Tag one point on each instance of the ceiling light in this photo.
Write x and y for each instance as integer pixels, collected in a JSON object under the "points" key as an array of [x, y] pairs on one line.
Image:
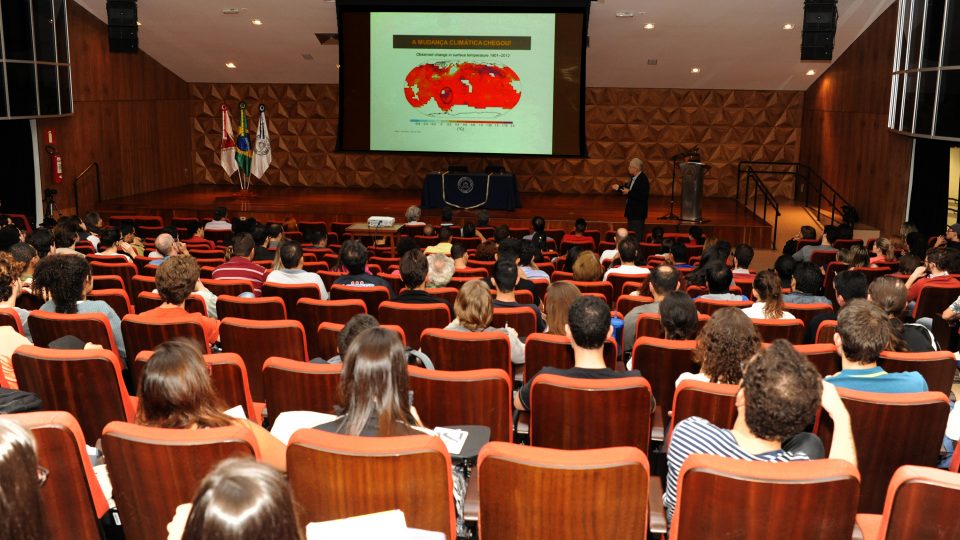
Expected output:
{"points": [[139, 23], [695, 70], [649, 26], [256, 22], [231, 65], [811, 72], [624, 14], [788, 26]]}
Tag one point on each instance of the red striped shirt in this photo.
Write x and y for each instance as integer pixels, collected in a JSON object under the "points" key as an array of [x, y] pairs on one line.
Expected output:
{"points": [[242, 268]]}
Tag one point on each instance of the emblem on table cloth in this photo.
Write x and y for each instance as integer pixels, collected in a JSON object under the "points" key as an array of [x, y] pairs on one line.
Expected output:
{"points": [[465, 184]]}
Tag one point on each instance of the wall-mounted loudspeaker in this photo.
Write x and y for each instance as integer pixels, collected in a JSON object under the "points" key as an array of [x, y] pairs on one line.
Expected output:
{"points": [[819, 29], [122, 26]]}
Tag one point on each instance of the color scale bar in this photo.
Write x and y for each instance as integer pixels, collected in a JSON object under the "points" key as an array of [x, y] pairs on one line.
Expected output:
{"points": [[498, 122]]}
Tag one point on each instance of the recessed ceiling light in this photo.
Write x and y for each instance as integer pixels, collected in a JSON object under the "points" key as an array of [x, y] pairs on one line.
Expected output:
{"points": [[695, 70], [139, 23], [811, 72], [649, 26], [788, 26], [231, 65], [624, 14], [256, 22]]}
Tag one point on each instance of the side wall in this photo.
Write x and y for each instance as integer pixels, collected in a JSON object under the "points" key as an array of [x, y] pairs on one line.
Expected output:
{"points": [[845, 136], [131, 115]]}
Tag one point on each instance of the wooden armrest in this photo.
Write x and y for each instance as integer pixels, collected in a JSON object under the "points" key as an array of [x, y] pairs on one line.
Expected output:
{"points": [[867, 526], [656, 431], [658, 515], [471, 501]]}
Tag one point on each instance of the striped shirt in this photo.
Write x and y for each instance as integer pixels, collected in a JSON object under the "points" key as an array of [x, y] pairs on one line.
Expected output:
{"points": [[695, 435], [242, 268]]}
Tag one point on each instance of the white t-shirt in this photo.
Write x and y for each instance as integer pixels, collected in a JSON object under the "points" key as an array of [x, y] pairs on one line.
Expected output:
{"points": [[687, 376], [298, 277], [627, 271], [953, 424], [741, 270], [219, 226], [756, 312], [608, 255]]}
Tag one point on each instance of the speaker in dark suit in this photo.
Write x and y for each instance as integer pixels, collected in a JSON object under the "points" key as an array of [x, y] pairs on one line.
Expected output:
{"points": [[637, 190]]}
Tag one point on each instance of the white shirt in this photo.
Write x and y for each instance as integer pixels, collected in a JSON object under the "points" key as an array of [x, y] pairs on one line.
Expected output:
{"points": [[298, 277], [631, 270], [756, 312], [608, 255], [687, 376], [953, 424], [95, 240], [219, 226], [741, 270]]}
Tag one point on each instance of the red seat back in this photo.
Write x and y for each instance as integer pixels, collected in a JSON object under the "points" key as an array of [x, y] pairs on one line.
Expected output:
{"points": [[414, 318], [770, 330], [713, 402], [661, 361], [293, 385], [522, 319], [807, 312], [459, 351], [255, 341], [370, 296], [46, 326], [542, 350], [937, 367], [920, 504], [291, 294], [143, 333], [150, 300], [455, 398], [230, 287], [265, 308], [312, 312]]}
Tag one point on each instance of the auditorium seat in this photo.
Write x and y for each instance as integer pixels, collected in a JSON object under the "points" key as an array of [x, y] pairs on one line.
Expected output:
{"points": [[311, 313], [9, 317], [721, 497], [544, 350], [661, 361], [47, 326], [601, 287], [154, 470], [264, 308], [338, 476], [937, 367], [370, 296], [471, 272], [823, 356], [395, 281], [890, 430], [934, 298], [414, 318], [292, 385], [72, 499], [328, 332], [527, 492], [107, 282], [806, 312], [230, 287], [447, 293], [823, 258], [576, 414], [474, 397], [791, 330], [459, 351], [116, 298], [85, 383], [255, 341], [920, 503], [873, 273], [586, 243], [619, 280], [149, 300], [626, 302], [219, 237], [522, 319], [847, 243], [30, 301], [825, 331], [648, 324], [468, 242], [714, 402], [708, 307], [107, 259], [126, 271], [291, 294], [141, 284], [541, 285]]}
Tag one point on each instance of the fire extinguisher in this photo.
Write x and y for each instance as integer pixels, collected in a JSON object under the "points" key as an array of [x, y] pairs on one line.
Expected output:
{"points": [[56, 161]]}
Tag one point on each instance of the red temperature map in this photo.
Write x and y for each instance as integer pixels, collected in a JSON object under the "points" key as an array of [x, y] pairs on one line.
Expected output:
{"points": [[478, 86]]}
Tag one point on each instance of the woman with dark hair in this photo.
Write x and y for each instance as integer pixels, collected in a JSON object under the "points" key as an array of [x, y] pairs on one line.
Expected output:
{"points": [[572, 255], [21, 509], [890, 295], [717, 252], [726, 343], [176, 392], [556, 305], [110, 244], [66, 281], [678, 316], [767, 298], [241, 499]]}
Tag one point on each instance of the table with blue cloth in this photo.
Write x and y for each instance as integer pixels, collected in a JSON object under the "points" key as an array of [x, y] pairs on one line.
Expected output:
{"points": [[470, 190]]}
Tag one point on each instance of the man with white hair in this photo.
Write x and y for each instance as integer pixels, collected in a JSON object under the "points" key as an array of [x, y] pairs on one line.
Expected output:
{"points": [[166, 246], [609, 255], [413, 215], [637, 191], [440, 272]]}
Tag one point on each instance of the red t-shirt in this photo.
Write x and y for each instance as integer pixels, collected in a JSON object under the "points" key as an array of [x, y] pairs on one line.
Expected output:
{"points": [[242, 268], [211, 327]]}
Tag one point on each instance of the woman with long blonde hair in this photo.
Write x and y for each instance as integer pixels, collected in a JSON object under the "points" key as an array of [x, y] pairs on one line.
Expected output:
{"points": [[768, 298]]}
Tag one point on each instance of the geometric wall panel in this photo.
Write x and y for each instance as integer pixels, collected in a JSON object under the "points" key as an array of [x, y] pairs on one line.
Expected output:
{"points": [[653, 124]]}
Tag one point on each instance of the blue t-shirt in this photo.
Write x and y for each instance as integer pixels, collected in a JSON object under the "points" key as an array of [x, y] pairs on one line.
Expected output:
{"points": [[875, 379]]}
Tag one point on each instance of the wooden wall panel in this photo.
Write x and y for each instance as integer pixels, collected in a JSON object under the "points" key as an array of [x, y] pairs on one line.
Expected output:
{"points": [[845, 135], [131, 115], [654, 124]]}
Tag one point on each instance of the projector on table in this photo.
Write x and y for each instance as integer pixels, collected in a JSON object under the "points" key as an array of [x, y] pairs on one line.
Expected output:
{"points": [[375, 222]]}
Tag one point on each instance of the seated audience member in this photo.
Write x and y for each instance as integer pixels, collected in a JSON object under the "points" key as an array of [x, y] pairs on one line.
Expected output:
{"points": [[678, 255], [529, 253], [177, 278], [357, 324], [742, 257], [890, 295], [778, 398], [240, 265], [166, 246], [110, 244], [470, 231], [486, 251], [719, 279], [807, 281], [404, 244], [934, 270], [428, 230], [830, 235], [353, 258], [93, 224], [696, 235], [611, 255], [505, 279], [628, 250], [412, 215], [26, 255], [65, 239], [784, 266], [509, 250], [678, 316], [318, 237], [483, 218], [588, 327], [128, 234], [274, 236], [291, 270], [847, 286], [178, 248], [460, 256], [768, 298], [66, 280], [882, 251], [587, 267], [571, 258], [950, 239], [662, 280], [863, 332], [260, 240], [727, 342], [908, 263], [556, 306], [10, 339], [239, 498], [806, 233], [538, 226], [854, 256], [176, 392], [440, 270], [219, 222], [413, 271], [579, 227], [23, 478], [194, 232], [446, 217], [9, 235], [473, 310], [42, 242], [443, 245], [656, 235], [501, 233], [718, 252]]}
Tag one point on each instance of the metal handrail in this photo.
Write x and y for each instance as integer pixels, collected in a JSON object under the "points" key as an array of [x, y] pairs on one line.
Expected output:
{"points": [[769, 201], [76, 180], [811, 184]]}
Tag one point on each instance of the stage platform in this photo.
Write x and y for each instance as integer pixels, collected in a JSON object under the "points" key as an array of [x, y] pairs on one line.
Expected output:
{"points": [[726, 218]]}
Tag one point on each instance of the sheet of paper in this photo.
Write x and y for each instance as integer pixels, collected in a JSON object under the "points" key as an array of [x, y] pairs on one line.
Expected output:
{"points": [[236, 412], [286, 423], [453, 439]]}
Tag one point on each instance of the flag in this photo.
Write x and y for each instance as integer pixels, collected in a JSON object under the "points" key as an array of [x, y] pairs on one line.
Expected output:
{"points": [[262, 155], [228, 149], [244, 154]]}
